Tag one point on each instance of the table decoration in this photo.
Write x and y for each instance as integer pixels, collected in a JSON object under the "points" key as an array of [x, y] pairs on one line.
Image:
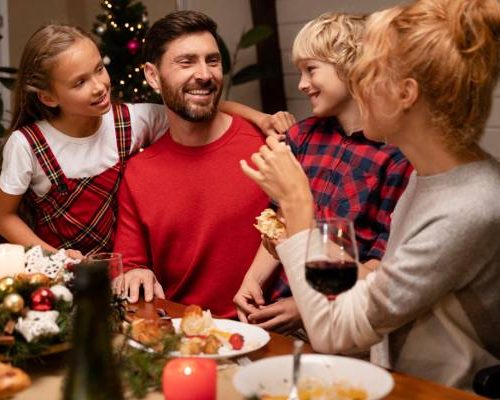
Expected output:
{"points": [[36, 312], [142, 370], [190, 379], [35, 301], [11, 259]]}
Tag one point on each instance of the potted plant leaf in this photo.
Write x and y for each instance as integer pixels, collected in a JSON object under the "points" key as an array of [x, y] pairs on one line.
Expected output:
{"points": [[251, 72]]}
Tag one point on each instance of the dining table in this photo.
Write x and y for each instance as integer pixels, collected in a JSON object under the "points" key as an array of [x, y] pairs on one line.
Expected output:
{"points": [[48, 376]]}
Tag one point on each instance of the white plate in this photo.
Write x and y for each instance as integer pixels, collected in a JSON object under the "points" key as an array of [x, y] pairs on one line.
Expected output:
{"points": [[254, 338], [273, 375]]}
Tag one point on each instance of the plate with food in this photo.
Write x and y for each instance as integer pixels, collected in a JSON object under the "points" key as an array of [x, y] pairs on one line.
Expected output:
{"points": [[321, 377], [199, 335]]}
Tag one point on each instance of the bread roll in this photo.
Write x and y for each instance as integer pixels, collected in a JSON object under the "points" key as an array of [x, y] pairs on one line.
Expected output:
{"points": [[12, 380], [269, 225]]}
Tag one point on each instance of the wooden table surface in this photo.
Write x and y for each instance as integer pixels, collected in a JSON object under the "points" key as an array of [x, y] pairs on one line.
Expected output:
{"points": [[405, 388], [47, 377]]}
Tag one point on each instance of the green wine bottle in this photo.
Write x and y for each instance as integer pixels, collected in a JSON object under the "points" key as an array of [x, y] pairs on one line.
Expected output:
{"points": [[92, 373]]}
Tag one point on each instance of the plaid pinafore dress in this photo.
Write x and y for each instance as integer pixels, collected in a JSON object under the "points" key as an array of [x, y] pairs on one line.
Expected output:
{"points": [[79, 213]]}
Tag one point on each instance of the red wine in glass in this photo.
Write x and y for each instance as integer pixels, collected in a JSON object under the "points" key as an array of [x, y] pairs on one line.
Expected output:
{"points": [[331, 277], [332, 256]]}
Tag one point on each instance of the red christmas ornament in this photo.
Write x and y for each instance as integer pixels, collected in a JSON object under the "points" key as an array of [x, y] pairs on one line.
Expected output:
{"points": [[42, 299], [133, 46]]}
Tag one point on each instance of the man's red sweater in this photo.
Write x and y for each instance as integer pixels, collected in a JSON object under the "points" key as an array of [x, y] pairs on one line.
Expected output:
{"points": [[187, 213]]}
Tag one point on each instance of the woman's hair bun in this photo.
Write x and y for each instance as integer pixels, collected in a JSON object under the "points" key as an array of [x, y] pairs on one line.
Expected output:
{"points": [[474, 24]]}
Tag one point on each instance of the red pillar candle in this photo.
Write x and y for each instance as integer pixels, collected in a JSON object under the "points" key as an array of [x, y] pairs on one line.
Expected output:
{"points": [[190, 379]]}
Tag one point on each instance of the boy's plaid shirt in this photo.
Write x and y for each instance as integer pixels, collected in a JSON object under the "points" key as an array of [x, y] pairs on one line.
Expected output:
{"points": [[351, 177]]}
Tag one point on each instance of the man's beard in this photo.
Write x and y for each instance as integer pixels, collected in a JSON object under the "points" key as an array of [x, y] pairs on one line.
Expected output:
{"points": [[193, 112]]}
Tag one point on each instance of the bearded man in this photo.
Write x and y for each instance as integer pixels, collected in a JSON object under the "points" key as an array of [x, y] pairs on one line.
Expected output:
{"points": [[185, 208]]}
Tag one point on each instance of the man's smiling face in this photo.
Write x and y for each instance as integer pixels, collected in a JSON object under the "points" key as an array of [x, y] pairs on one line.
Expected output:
{"points": [[190, 76]]}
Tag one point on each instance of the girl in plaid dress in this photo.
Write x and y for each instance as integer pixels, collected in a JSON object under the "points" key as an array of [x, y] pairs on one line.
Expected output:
{"points": [[69, 144]]}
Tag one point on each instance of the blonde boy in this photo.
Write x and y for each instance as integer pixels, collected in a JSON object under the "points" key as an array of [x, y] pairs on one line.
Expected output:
{"points": [[349, 175]]}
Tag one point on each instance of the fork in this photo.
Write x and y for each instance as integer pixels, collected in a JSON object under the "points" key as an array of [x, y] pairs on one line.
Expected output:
{"points": [[297, 352], [243, 361]]}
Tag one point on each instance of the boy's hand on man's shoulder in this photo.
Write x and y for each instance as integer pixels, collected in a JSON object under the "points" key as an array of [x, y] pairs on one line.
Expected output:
{"points": [[277, 124]]}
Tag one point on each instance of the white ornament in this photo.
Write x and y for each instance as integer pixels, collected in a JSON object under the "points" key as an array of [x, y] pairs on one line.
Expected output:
{"points": [[51, 265], [106, 60], [38, 324], [63, 293], [68, 276]]}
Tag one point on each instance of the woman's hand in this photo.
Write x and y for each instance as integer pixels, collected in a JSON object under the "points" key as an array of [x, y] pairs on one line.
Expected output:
{"points": [[280, 175], [278, 172]]}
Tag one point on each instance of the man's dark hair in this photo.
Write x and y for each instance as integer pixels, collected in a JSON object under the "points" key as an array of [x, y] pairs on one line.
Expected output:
{"points": [[173, 26]]}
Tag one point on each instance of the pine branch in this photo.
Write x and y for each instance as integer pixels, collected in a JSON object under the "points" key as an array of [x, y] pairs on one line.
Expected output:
{"points": [[142, 370]]}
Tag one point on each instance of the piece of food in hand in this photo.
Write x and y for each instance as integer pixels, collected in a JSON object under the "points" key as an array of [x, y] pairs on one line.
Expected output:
{"points": [[151, 332], [269, 224], [195, 321], [236, 341], [12, 380]]}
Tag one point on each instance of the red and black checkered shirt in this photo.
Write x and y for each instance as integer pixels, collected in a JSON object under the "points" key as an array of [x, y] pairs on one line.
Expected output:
{"points": [[351, 177]]}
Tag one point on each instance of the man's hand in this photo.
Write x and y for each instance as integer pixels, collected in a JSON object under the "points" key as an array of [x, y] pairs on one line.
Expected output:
{"points": [[248, 298], [133, 280], [282, 317], [277, 124]]}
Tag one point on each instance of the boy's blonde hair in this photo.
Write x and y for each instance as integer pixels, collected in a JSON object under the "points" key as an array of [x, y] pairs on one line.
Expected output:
{"points": [[331, 37], [450, 47]]}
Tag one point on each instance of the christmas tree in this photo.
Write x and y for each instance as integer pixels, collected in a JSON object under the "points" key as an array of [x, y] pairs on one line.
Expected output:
{"points": [[121, 30]]}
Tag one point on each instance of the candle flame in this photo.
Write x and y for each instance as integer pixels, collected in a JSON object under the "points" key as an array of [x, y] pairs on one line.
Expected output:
{"points": [[188, 371]]}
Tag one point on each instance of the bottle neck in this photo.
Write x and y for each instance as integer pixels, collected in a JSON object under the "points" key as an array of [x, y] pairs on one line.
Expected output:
{"points": [[92, 316], [92, 371]]}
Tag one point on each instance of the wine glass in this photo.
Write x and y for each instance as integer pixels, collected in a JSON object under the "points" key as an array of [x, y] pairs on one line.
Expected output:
{"points": [[332, 256], [115, 269]]}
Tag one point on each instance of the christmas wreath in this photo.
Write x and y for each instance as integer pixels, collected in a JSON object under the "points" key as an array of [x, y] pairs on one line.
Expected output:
{"points": [[36, 314], [36, 301]]}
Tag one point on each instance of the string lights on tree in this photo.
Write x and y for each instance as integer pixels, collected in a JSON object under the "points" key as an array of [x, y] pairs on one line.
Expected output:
{"points": [[121, 29]]}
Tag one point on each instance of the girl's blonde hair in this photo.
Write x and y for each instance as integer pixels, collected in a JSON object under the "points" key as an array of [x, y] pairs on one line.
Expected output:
{"points": [[331, 37], [34, 74], [450, 47]]}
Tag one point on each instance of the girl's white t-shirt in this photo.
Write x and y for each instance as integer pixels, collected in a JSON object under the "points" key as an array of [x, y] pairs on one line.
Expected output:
{"points": [[78, 157]]}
